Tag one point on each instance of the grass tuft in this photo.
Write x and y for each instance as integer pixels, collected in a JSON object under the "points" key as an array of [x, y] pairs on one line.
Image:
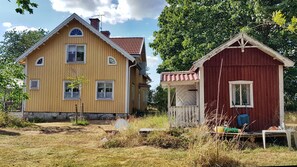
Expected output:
{"points": [[7, 120]]}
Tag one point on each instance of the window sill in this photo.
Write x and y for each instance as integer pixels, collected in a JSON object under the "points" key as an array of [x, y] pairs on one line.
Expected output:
{"points": [[78, 62], [71, 99], [105, 99], [242, 106]]}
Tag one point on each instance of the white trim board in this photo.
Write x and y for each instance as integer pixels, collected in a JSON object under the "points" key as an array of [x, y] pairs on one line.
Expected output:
{"points": [[84, 23], [242, 36], [281, 94]]}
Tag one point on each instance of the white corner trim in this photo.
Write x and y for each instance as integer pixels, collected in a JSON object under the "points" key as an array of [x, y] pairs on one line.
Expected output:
{"points": [[251, 93], [25, 88], [201, 91], [281, 94], [76, 35], [111, 57], [127, 88], [38, 60]]}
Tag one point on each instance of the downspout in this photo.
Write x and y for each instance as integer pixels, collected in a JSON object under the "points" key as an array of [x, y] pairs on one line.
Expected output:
{"points": [[128, 85]]}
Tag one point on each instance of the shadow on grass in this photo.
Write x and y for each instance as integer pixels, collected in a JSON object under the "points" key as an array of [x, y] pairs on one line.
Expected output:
{"points": [[8, 133], [51, 130]]}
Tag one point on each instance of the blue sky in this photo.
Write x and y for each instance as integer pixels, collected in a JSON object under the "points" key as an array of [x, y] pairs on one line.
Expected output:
{"points": [[121, 18]]}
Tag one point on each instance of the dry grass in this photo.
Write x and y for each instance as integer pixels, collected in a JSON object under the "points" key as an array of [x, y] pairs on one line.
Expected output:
{"points": [[61, 144]]}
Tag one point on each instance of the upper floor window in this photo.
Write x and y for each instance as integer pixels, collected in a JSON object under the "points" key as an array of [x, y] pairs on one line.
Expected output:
{"points": [[76, 32], [241, 93], [76, 53], [40, 61], [111, 60], [70, 93], [34, 84]]}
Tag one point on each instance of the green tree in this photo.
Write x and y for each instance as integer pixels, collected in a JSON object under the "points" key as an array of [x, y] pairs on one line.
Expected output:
{"points": [[25, 5], [190, 29], [160, 99], [14, 44]]}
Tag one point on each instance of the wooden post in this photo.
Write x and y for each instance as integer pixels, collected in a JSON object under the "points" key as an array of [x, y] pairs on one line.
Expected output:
{"points": [[76, 113], [169, 97]]}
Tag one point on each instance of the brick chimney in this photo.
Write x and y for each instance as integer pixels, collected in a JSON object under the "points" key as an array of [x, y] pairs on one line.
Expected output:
{"points": [[95, 23], [106, 33]]}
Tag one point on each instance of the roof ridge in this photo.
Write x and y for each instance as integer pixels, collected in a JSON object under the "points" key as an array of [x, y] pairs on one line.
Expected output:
{"points": [[125, 37]]}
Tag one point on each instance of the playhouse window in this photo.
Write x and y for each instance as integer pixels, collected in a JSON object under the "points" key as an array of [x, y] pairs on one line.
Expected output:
{"points": [[75, 32], [241, 93], [76, 53], [70, 93], [104, 90]]}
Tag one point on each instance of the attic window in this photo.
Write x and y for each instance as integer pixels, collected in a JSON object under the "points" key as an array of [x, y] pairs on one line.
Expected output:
{"points": [[76, 32], [111, 60], [40, 61]]}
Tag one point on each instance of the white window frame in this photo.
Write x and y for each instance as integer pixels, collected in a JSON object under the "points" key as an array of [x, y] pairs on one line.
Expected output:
{"points": [[241, 82], [71, 98], [76, 62], [82, 33], [37, 88], [111, 57], [36, 64], [104, 81]]}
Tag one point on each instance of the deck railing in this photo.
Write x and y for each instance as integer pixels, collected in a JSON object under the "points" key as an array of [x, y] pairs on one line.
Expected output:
{"points": [[183, 116]]}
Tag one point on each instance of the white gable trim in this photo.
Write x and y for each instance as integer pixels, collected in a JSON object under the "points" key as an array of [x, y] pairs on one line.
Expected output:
{"points": [[287, 62], [83, 22]]}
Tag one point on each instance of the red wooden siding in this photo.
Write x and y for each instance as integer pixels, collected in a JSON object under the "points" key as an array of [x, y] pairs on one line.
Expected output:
{"points": [[251, 65]]}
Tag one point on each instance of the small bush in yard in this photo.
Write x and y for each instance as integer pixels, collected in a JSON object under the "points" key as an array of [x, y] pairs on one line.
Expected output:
{"points": [[166, 140], [128, 138], [7, 120], [80, 122]]}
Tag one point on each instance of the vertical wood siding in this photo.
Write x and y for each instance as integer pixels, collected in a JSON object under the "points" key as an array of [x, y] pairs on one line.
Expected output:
{"points": [[49, 98], [251, 65]]}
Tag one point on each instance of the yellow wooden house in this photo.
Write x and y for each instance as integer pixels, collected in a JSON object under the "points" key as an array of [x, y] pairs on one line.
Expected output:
{"points": [[115, 70]]}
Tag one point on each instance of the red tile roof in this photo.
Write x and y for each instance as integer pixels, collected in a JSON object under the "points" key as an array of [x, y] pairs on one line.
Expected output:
{"points": [[132, 45], [179, 76]]}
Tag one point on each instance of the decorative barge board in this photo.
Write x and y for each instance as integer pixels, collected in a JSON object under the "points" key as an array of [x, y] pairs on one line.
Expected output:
{"points": [[251, 82]]}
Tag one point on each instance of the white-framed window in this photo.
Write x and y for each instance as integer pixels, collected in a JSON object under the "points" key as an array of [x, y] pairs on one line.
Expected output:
{"points": [[111, 60], [75, 53], [241, 94], [70, 93], [76, 32], [34, 84], [104, 90], [39, 61]]}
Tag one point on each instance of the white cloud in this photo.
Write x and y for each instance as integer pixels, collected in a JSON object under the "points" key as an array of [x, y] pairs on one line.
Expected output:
{"points": [[153, 62], [114, 11], [21, 28], [6, 24]]}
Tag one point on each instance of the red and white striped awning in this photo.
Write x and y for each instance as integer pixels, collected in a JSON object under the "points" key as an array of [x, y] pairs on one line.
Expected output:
{"points": [[179, 77]]}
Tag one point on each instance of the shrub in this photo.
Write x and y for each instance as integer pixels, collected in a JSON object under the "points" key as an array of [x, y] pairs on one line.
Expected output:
{"points": [[80, 121], [7, 120], [166, 140]]}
